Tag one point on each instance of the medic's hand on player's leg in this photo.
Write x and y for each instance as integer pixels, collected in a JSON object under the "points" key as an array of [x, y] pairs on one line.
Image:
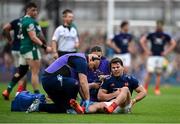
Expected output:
{"points": [[86, 104]]}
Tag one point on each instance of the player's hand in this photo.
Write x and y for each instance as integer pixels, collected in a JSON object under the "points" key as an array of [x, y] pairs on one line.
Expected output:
{"points": [[102, 77], [118, 50], [95, 85], [48, 49], [147, 52], [164, 53], [55, 55], [86, 104], [133, 101]]}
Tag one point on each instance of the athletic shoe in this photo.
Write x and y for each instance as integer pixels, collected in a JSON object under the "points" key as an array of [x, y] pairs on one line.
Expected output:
{"points": [[75, 105], [5, 94], [71, 111], [34, 106], [157, 92], [110, 108]]}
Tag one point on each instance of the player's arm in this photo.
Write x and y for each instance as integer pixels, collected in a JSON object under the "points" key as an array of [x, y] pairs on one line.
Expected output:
{"points": [[6, 32], [84, 87], [141, 93], [42, 37], [36, 40], [104, 96], [170, 47], [131, 47], [111, 44], [77, 42], [143, 42], [54, 43]]}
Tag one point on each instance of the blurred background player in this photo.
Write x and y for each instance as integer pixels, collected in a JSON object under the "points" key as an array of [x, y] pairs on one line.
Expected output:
{"points": [[96, 75], [15, 46], [29, 53], [30, 30], [122, 45], [65, 38], [158, 41], [63, 79]]}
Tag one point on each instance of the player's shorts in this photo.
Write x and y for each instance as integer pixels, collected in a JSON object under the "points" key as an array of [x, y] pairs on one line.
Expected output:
{"points": [[155, 64], [124, 110], [16, 57], [33, 55], [126, 58]]}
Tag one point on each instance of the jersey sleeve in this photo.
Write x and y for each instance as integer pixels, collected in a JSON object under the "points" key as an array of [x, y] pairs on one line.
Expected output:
{"points": [[130, 37], [105, 85], [13, 24], [30, 26], [114, 38], [168, 38], [56, 34], [148, 36], [134, 82]]}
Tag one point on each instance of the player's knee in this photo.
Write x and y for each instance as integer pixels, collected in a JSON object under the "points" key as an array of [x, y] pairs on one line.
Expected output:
{"points": [[125, 89]]}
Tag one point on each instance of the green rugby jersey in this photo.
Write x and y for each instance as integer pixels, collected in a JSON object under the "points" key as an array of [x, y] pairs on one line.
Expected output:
{"points": [[28, 24]]}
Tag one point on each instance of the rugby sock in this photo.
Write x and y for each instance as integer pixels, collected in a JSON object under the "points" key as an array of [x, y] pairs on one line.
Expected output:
{"points": [[111, 108], [114, 105], [146, 86], [20, 88], [36, 91], [10, 86]]}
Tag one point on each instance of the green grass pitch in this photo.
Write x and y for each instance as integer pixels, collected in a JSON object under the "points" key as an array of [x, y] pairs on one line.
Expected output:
{"points": [[153, 109]]}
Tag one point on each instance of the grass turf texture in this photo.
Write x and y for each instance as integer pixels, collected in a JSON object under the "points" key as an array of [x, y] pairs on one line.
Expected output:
{"points": [[153, 109]]}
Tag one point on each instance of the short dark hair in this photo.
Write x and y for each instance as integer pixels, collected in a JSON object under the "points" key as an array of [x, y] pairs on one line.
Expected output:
{"points": [[124, 23], [67, 11], [96, 49], [30, 5], [116, 60], [161, 22]]}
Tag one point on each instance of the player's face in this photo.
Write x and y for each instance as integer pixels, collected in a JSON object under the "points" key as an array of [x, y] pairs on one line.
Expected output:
{"points": [[159, 27], [117, 69], [33, 12], [126, 28], [68, 18]]}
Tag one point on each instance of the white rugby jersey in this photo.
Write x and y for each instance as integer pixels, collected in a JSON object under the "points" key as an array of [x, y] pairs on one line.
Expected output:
{"points": [[66, 38]]}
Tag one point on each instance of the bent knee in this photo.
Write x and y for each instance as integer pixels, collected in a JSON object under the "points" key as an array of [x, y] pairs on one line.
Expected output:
{"points": [[126, 89]]}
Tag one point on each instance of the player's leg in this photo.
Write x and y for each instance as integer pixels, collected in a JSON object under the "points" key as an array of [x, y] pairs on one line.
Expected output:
{"points": [[35, 67], [21, 85], [151, 62], [33, 60], [157, 85], [121, 100], [96, 107], [21, 71], [147, 80], [159, 70], [22, 82]]}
